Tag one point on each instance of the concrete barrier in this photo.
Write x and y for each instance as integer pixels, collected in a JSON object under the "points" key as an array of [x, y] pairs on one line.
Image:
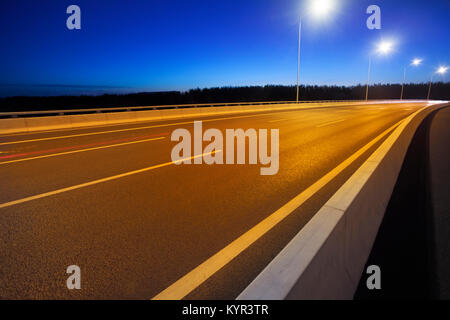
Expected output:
{"points": [[121, 117], [149, 115], [14, 125], [178, 113], [86, 120], [47, 123], [96, 119], [326, 258]]}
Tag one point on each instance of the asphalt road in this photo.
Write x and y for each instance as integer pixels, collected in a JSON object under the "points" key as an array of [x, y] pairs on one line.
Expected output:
{"points": [[135, 235]]}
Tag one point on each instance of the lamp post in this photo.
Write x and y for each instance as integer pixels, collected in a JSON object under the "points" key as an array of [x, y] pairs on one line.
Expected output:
{"points": [[415, 63], [441, 70], [383, 48], [298, 61], [368, 78], [318, 9]]}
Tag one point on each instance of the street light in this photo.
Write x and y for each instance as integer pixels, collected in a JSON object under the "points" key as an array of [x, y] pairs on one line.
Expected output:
{"points": [[317, 9], [441, 70], [383, 48], [416, 62], [320, 8]]}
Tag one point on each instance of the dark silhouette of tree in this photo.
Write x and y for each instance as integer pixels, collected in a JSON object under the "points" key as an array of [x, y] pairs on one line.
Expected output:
{"points": [[440, 91]]}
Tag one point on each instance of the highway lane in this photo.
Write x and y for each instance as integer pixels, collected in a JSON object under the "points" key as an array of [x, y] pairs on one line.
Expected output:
{"points": [[136, 235]]}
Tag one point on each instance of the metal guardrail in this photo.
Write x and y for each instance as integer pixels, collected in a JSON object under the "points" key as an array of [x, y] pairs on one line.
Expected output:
{"points": [[180, 106]]}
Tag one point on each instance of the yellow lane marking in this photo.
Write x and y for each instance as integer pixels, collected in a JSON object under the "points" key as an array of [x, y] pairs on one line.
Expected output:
{"points": [[112, 125], [87, 184], [127, 129], [81, 150], [330, 123], [158, 126], [193, 279]]}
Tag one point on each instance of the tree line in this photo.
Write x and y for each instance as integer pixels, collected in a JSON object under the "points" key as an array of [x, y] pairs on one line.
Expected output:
{"points": [[439, 91]]}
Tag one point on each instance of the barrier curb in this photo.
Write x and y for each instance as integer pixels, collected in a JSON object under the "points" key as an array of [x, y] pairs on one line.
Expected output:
{"points": [[326, 258]]}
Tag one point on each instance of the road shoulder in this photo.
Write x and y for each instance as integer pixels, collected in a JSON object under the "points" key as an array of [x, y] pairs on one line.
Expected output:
{"points": [[413, 241]]}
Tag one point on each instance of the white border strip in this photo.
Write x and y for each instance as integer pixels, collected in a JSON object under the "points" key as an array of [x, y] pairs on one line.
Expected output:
{"points": [[326, 258]]}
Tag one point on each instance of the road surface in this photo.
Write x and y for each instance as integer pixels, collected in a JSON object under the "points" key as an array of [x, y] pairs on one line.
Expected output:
{"points": [[79, 197]]}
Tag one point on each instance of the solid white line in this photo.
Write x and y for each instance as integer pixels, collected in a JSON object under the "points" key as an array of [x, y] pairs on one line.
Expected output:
{"points": [[90, 183]]}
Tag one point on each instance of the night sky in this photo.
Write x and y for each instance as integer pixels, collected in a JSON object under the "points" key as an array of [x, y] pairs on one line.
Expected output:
{"points": [[146, 45]]}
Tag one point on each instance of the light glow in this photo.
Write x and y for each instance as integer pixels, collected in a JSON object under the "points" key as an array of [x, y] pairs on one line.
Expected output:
{"points": [[320, 8], [442, 70], [385, 47], [416, 62]]}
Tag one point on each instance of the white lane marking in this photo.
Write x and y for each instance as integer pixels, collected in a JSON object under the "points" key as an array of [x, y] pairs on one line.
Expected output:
{"points": [[81, 150], [279, 120], [192, 280], [329, 123], [90, 183]]}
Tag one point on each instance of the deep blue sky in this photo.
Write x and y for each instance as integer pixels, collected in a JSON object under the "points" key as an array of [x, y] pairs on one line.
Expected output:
{"points": [[147, 45]]}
